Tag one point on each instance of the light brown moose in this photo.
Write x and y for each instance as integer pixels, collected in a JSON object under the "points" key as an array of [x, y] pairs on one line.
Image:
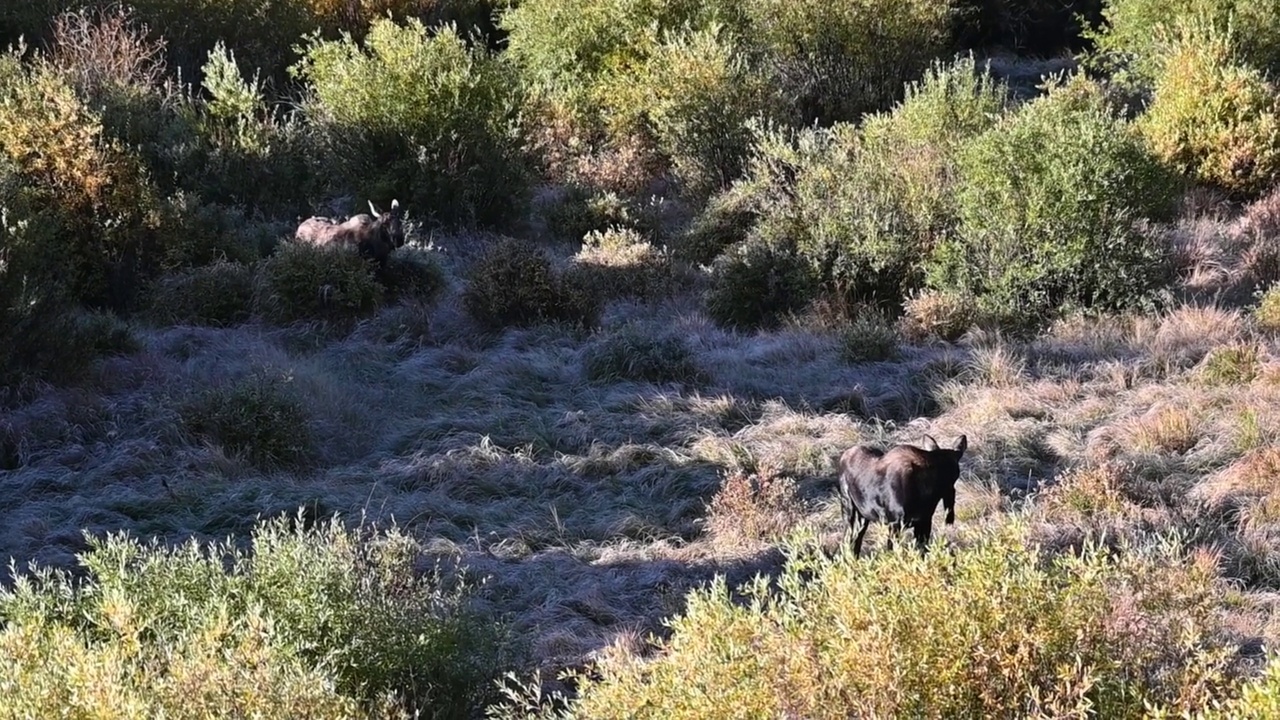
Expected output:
{"points": [[373, 236]]}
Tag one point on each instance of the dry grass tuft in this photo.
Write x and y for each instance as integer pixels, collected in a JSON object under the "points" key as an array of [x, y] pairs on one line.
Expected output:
{"points": [[1165, 428], [750, 509], [945, 315], [1250, 478]]}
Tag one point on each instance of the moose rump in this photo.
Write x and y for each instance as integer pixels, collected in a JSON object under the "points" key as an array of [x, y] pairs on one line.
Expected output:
{"points": [[900, 487], [373, 236]]}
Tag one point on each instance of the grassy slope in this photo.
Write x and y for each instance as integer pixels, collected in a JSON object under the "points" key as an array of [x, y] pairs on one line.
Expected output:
{"points": [[586, 505]]}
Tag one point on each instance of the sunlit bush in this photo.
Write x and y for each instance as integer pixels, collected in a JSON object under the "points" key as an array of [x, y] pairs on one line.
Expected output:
{"points": [[326, 623], [941, 314], [697, 91], [81, 182], [620, 263], [753, 508], [1132, 40], [422, 117], [1212, 117], [864, 206], [996, 629], [1048, 204], [831, 63]]}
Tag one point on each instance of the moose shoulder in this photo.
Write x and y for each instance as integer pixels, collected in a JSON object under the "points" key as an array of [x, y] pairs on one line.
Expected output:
{"points": [[901, 487], [373, 236]]}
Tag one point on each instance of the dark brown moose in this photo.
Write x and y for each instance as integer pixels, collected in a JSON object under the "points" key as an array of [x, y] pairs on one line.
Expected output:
{"points": [[901, 487], [373, 236]]}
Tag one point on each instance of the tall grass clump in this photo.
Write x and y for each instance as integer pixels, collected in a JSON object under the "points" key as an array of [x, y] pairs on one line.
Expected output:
{"points": [[1049, 202], [1213, 117], [258, 418], [641, 354], [514, 285], [998, 629], [219, 294], [328, 623], [424, 117], [307, 282]]}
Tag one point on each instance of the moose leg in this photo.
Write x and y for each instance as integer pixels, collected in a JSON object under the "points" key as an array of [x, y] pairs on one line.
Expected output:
{"points": [[857, 542], [923, 531], [895, 529]]}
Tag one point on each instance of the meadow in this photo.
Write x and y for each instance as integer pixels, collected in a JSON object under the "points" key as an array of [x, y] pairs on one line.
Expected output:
{"points": [[572, 453]]}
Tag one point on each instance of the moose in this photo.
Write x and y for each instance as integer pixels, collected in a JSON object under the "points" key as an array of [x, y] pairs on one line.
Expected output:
{"points": [[901, 487], [373, 236]]}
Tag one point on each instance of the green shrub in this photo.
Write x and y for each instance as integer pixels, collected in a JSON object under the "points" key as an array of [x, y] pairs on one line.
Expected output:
{"points": [[422, 117], [1255, 699], [868, 338], [201, 233], [514, 284], [220, 294], [832, 64], [320, 623], [997, 629], [620, 263], [305, 282], [1048, 202], [756, 284], [698, 94], [863, 206], [105, 333], [1213, 118], [641, 354], [258, 418], [95, 195], [1267, 314], [234, 149], [725, 221], [1135, 33], [581, 211], [414, 274], [569, 50]]}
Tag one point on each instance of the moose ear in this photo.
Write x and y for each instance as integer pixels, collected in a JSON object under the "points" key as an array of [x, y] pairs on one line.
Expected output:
{"points": [[929, 444], [961, 445]]}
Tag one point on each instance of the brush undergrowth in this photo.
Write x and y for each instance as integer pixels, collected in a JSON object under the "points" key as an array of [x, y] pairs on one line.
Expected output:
{"points": [[330, 623], [997, 629]]}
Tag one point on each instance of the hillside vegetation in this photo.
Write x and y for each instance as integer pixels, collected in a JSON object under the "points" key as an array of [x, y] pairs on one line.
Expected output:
{"points": [[571, 452]]}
